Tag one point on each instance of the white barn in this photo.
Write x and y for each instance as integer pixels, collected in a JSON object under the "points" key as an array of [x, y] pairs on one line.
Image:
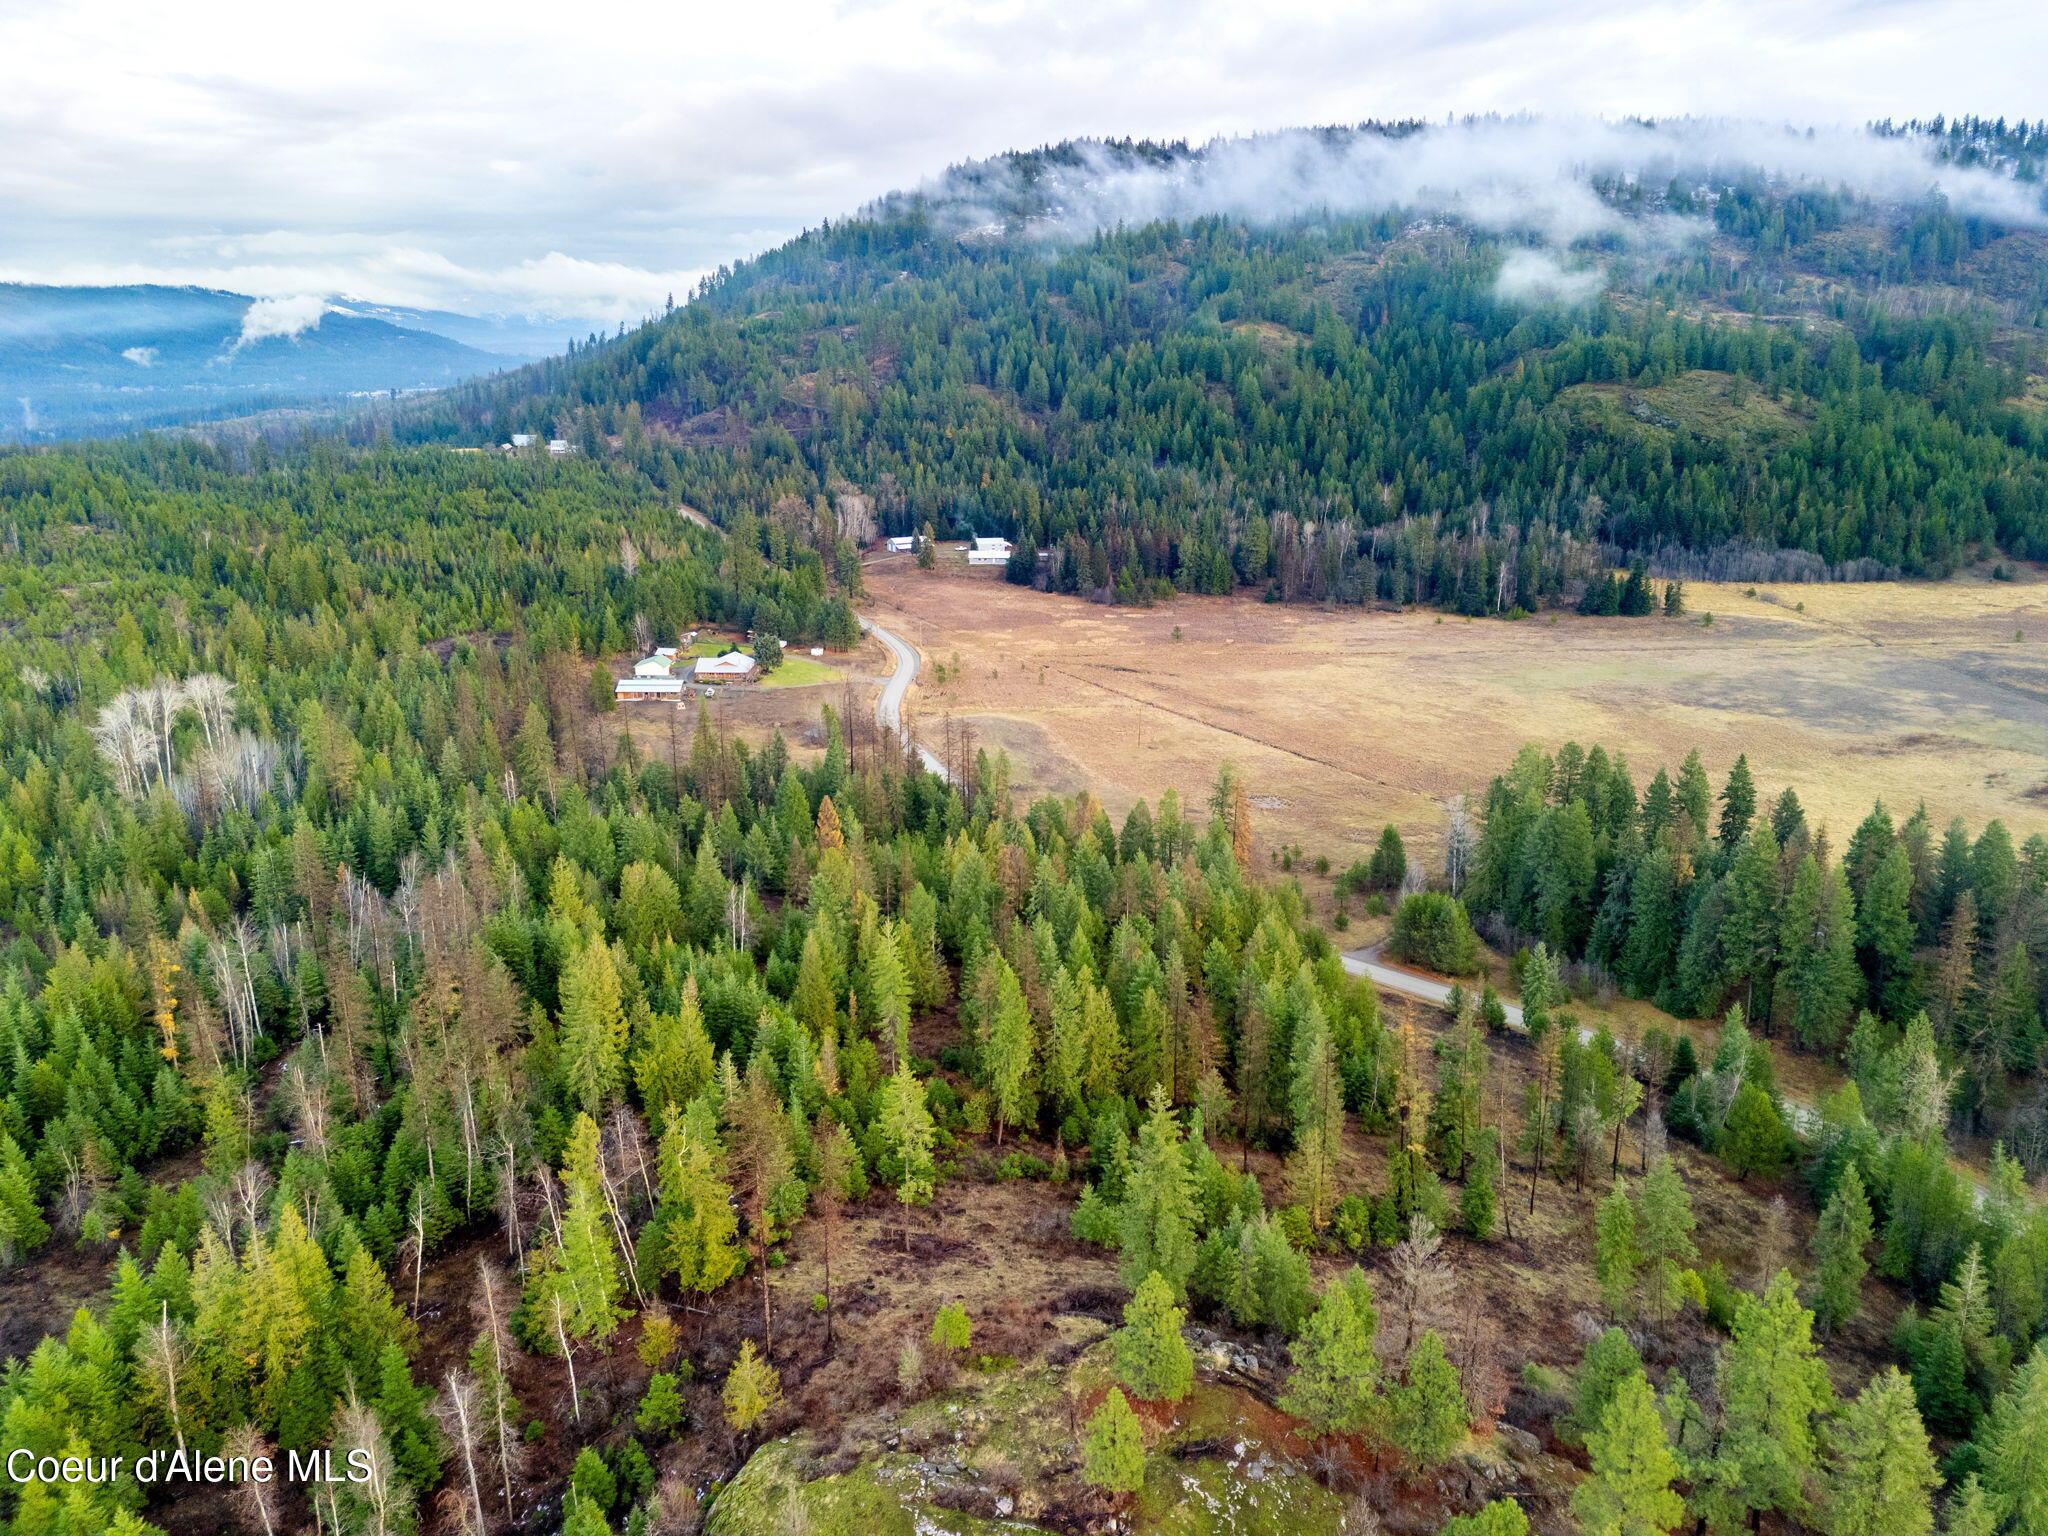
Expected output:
{"points": [[988, 552], [903, 543], [732, 667], [631, 690]]}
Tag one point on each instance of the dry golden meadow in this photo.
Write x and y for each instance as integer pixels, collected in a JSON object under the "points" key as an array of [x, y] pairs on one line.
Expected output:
{"points": [[1344, 720]]}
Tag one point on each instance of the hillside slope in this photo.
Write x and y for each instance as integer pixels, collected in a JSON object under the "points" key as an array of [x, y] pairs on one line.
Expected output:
{"points": [[1364, 386]]}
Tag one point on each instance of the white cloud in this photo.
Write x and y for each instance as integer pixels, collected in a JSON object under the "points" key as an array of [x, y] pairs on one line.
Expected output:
{"points": [[141, 357], [1537, 277], [286, 315], [510, 155]]}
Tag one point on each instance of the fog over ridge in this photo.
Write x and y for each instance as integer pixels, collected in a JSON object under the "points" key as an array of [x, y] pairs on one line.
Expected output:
{"points": [[1529, 175]]}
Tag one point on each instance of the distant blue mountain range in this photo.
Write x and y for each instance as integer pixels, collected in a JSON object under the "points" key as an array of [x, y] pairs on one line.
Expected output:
{"points": [[80, 361]]}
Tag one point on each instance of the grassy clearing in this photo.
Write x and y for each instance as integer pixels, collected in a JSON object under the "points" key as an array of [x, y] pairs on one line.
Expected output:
{"points": [[801, 672], [1698, 403], [1343, 721]]}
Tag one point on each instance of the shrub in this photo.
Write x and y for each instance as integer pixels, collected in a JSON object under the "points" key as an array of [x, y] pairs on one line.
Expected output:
{"points": [[952, 1329], [1432, 929]]}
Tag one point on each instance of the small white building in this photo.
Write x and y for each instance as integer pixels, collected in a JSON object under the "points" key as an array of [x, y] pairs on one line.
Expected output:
{"points": [[632, 690], [732, 667], [903, 543], [988, 552], [657, 665], [558, 445], [522, 439]]}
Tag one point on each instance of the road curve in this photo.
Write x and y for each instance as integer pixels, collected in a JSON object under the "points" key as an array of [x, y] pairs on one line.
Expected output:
{"points": [[1366, 962], [889, 706], [1802, 1117]]}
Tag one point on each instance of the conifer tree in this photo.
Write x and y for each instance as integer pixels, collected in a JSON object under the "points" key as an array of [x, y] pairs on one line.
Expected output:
{"points": [[1628, 1492], [1774, 1394], [761, 1162], [1664, 1227], [1104, 1052], [22, 1227], [1738, 803], [1501, 1517], [661, 1405], [1157, 1218], [838, 1167], [951, 1327], [674, 1061], [889, 988], [400, 1405], [1754, 1139], [1318, 1125], [2014, 1446], [1539, 1132], [753, 1389], [2012, 1037], [815, 1001], [1820, 981], [1428, 1409], [1616, 1258], [578, 1281], [905, 1122], [1886, 933], [1839, 1244], [583, 1516], [694, 1232], [1609, 1361], [1152, 1358], [1479, 1201], [1955, 968], [593, 1028], [1009, 1053], [1749, 936], [1334, 1386], [1970, 1511], [1113, 1447], [1881, 1472], [1454, 1110]]}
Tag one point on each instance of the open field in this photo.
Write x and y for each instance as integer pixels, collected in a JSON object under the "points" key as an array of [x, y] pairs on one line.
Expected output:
{"points": [[1345, 720]]}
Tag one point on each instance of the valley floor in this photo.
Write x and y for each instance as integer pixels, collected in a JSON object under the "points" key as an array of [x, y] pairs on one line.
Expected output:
{"points": [[1345, 720]]}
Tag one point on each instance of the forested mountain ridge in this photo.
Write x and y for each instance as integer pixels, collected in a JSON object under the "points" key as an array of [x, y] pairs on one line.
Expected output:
{"points": [[1423, 401]]}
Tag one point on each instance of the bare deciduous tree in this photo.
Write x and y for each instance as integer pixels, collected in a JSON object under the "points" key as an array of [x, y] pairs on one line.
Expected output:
{"points": [[1423, 1289], [256, 1496], [459, 1409]]}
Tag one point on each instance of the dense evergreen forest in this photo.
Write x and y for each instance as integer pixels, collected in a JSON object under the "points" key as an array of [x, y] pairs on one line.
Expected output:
{"points": [[1358, 409], [350, 941], [1703, 900]]}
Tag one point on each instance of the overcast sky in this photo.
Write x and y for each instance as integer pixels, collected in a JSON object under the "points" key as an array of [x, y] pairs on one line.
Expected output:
{"points": [[586, 159]]}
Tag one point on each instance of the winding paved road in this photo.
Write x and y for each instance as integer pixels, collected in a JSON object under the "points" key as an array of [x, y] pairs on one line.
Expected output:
{"points": [[889, 706], [1366, 962]]}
